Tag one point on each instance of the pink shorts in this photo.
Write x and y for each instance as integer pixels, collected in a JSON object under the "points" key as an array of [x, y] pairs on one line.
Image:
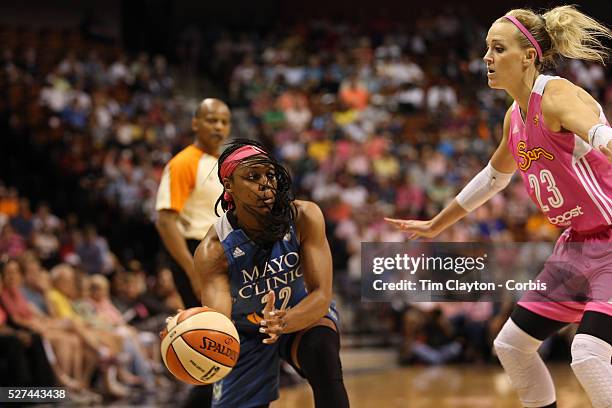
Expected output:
{"points": [[578, 275]]}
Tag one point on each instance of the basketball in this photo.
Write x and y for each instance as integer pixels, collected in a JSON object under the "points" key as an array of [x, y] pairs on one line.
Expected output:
{"points": [[200, 346]]}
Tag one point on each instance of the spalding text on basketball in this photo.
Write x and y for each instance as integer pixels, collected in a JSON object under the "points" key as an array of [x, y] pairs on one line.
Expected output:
{"points": [[211, 345]]}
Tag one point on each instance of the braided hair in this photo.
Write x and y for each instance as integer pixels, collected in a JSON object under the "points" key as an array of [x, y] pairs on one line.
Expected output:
{"points": [[274, 224]]}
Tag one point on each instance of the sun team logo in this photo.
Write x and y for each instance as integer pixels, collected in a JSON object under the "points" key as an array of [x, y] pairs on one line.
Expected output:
{"points": [[528, 156]]}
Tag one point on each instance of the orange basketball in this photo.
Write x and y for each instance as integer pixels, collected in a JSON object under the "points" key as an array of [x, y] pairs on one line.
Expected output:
{"points": [[200, 346]]}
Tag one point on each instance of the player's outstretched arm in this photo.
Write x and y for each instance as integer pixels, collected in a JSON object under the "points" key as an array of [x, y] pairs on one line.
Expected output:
{"points": [[492, 179], [211, 272], [569, 107], [452, 213], [316, 264]]}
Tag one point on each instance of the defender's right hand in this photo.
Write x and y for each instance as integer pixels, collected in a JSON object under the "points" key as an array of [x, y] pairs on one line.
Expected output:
{"points": [[414, 228]]}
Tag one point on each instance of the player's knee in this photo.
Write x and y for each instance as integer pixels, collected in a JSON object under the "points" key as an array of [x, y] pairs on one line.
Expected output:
{"points": [[518, 353], [591, 365], [586, 347], [512, 339], [319, 353], [322, 340], [516, 350]]}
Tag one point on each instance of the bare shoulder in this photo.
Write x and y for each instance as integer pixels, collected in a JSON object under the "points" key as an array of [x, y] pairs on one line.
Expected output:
{"points": [[307, 211], [210, 254], [561, 93], [558, 86], [309, 218]]}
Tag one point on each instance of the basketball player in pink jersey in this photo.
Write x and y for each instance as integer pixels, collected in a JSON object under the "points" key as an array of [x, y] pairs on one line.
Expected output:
{"points": [[555, 133]]}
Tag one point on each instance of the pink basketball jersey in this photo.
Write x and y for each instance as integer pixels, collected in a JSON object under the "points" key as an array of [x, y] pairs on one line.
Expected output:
{"points": [[568, 179]]}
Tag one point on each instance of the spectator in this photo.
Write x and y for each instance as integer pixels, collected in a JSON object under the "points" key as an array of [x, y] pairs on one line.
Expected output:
{"points": [[11, 243], [298, 117], [36, 282], [354, 93], [140, 308], [106, 344], [93, 252], [22, 221], [134, 369], [166, 292], [9, 201], [74, 366], [441, 95], [23, 356], [436, 343]]}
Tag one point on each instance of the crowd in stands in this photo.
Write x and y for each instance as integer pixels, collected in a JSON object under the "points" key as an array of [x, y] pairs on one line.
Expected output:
{"points": [[372, 122], [70, 314]]}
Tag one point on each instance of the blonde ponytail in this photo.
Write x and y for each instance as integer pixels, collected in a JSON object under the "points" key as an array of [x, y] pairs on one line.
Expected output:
{"points": [[576, 35], [563, 31]]}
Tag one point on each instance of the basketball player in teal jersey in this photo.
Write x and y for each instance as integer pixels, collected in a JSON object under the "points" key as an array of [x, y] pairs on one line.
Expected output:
{"points": [[267, 265]]}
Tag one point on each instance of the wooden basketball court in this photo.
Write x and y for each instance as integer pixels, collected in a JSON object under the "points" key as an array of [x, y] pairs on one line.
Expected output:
{"points": [[440, 387]]}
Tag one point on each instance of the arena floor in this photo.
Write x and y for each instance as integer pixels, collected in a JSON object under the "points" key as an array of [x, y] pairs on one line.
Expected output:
{"points": [[441, 387], [456, 386]]}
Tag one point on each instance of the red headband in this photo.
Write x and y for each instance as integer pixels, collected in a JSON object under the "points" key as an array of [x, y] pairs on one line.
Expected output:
{"points": [[527, 34], [232, 161]]}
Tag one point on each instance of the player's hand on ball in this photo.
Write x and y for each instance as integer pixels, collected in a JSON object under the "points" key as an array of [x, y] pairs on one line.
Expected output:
{"points": [[273, 323], [414, 228], [164, 332], [170, 317]]}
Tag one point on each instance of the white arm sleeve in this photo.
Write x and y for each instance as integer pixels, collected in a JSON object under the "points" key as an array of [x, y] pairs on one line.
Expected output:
{"points": [[600, 135], [482, 187]]}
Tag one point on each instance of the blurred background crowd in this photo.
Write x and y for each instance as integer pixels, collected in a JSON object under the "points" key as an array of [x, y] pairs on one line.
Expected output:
{"points": [[385, 119]]}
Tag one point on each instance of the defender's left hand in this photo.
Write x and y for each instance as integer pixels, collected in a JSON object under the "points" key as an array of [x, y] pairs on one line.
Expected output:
{"points": [[273, 323]]}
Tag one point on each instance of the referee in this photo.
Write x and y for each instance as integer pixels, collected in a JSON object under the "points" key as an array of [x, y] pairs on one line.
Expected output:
{"points": [[186, 198], [187, 194]]}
